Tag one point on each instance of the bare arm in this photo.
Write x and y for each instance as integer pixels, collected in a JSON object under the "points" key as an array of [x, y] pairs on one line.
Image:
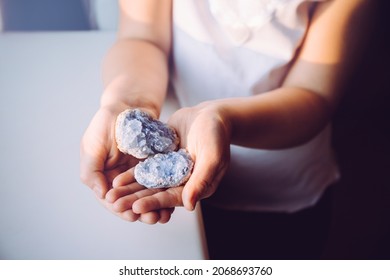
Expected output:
{"points": [[297, 111], [135, 74], [285, 117], [288, 116], [135, 71]]}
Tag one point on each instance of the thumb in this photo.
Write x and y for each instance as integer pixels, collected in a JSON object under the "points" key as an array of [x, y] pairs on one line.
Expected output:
{"points": [[202, 183], [99, 184], [91, 174]]}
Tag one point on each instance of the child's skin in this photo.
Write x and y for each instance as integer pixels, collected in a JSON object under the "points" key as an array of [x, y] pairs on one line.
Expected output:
{"points": [[136, 76]]}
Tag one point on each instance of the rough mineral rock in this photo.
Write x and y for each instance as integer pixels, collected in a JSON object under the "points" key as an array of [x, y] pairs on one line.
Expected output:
{"points": [[164, 170], [139, 135]]}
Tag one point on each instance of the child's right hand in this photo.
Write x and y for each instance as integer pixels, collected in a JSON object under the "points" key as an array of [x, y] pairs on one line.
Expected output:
{"points": [[100, 160]]}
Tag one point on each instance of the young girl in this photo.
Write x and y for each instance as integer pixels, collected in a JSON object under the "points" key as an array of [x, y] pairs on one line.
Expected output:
{"points": [[258, 82]]}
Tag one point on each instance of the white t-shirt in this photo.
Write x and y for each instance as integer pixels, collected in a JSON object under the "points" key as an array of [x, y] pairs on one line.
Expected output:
{"points": [[234, 48]]}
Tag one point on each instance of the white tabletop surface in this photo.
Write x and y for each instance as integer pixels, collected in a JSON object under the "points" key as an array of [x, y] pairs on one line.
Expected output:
{"points": [[49, 89]]}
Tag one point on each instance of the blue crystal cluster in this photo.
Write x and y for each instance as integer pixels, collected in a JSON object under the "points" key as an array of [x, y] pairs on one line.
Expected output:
{"points": [[141, 136], [164, 170]]}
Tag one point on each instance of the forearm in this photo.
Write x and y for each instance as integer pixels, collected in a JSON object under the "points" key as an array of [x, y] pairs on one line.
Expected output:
{"points": [[282, 118], [303, 106], [135, 74]]}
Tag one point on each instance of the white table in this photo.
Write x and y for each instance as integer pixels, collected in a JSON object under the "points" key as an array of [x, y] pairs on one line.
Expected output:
{"points": [[49, 90]]}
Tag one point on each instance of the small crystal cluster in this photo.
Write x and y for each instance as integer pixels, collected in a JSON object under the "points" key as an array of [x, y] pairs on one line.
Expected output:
{"points": [[141, 136], [164, 170]]}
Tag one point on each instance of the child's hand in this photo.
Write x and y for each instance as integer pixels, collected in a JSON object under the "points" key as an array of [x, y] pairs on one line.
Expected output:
{"points": [[101, 162], [120, 200], [205, 132], [206, 135]]}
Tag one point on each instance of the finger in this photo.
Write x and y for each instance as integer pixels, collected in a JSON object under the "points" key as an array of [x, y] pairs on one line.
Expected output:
{"points": [[150, 217], [118, 192], [128, 215], [124, 178], [165, 215], [126, 202], [164, 199], [112, 174], [91, 173]]}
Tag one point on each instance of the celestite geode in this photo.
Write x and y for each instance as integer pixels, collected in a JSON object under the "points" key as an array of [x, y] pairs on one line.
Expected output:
{"points": [[164, 170], [141, 136]]}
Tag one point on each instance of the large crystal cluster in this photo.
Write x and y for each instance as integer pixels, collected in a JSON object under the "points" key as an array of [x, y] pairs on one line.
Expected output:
{"points": [[164, 170], [141, 136]]}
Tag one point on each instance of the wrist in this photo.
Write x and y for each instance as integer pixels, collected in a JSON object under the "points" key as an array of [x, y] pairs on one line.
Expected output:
{"points": [[226, 119], [230, 111], [120, 101], [220, 109]]}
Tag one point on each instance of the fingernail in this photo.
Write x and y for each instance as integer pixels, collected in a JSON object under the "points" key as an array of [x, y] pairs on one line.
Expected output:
{"points": [[189, 203], [190, 206]]}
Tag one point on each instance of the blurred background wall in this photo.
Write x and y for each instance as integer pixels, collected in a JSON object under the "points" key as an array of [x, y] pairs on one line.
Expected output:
{"points": [[49, 15], [29, 15]]}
